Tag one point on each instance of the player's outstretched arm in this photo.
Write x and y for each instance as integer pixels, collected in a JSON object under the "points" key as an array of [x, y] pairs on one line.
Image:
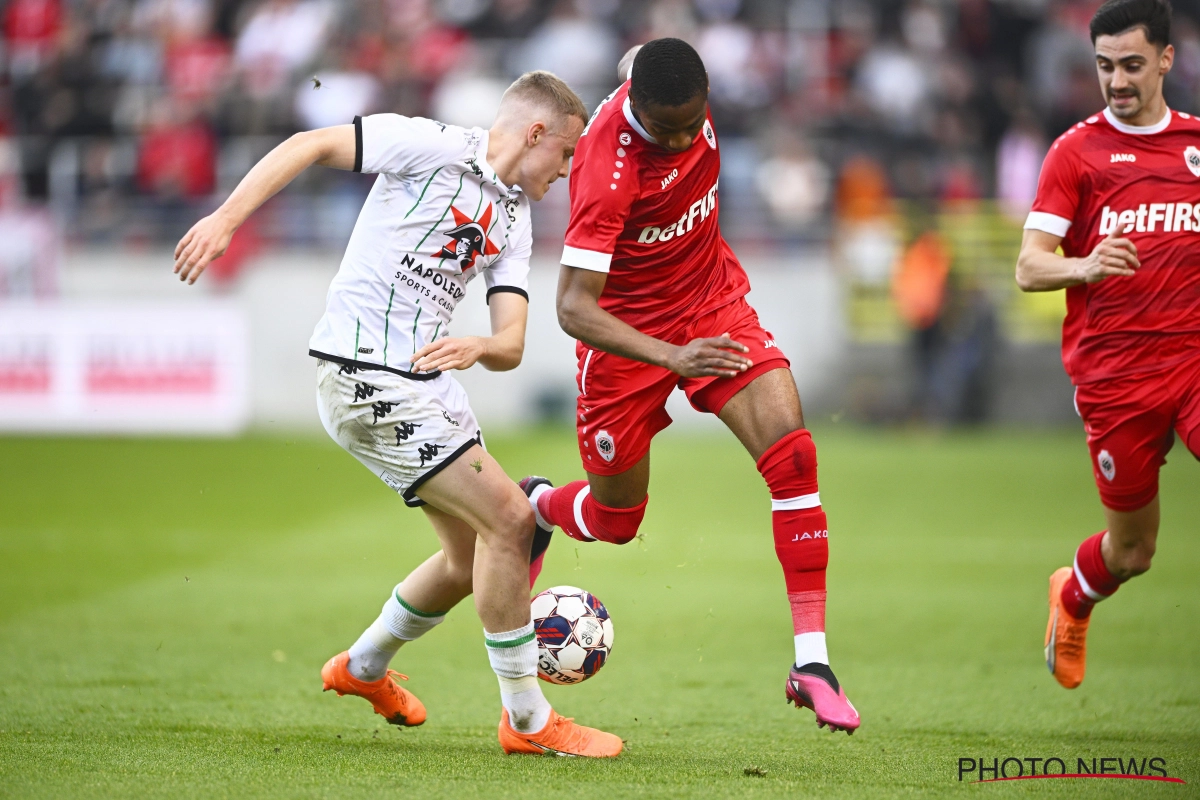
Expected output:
{"points": [[499, 352], [580, 315], [1041, 269], [210, 237]]}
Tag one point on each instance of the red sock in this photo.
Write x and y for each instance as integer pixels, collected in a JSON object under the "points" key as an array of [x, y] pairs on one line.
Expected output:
{"points": [[799, 525], [1090, 582], [535, 569], [582, 517]]}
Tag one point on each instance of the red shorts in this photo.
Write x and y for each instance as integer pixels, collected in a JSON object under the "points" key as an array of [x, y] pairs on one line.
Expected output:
{"points": [[1131, 425], [622, 402]]}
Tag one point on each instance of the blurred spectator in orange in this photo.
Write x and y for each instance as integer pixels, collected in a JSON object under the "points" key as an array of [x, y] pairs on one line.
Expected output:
{"points": [[866, 238], [919, 281]]}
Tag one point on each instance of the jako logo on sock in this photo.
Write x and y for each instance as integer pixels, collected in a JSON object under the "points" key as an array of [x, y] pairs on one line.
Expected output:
{"points": [[813, 535]]}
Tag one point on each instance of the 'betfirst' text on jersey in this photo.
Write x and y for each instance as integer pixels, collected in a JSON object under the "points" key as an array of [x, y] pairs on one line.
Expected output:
{"points": [[436, 217], [1103, 175], [648, 218]]}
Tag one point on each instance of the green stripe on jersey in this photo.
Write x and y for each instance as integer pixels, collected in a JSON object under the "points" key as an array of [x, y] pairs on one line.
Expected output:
{"points": [[438, 224], [520, 640], [387, 316], [423, 189]]}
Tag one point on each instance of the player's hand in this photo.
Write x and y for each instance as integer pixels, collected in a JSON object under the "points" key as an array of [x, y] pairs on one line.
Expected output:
{"points": [[1115, 255], [719, 356], [208, 239], [449, 353]]}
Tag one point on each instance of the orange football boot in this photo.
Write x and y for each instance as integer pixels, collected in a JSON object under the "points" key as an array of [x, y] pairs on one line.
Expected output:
{"points": [[1066, 637], [561, 736], [392, 702]]}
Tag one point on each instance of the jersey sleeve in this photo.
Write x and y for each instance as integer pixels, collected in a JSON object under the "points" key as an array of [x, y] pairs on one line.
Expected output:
{"points": [[601, 197], [401, 145], [1057, 199], [510, 272]]}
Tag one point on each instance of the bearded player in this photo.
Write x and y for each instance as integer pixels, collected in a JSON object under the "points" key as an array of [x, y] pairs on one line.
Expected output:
{"points": [[1120, 194], [449, 205], [656, 300]]}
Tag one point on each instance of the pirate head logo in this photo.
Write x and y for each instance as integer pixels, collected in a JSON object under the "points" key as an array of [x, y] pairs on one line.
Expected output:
{"points": [[468, 239]]}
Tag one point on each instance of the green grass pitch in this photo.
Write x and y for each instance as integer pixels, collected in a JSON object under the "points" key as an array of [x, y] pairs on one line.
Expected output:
{"points": [[165, 607]]}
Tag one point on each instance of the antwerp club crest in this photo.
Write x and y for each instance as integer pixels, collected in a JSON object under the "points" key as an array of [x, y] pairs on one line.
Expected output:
{"points": [[468, 239], [605, 445], [1192, 157]]}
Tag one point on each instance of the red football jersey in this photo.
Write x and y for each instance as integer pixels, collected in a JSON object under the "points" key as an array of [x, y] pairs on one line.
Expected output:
{"points": [[648, 217], [1102, 174]]}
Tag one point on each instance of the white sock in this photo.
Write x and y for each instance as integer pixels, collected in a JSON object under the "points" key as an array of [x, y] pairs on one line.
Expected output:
{"points": [[533, 498], [810, 647], [397, 623], [513, 655]]}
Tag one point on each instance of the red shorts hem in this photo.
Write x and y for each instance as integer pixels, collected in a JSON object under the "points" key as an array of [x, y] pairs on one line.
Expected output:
{"points": [[1130, 501], [713, 397]]}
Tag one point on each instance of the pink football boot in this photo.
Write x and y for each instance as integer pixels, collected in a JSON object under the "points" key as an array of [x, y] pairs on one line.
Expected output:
{"points": [[814, 686]]}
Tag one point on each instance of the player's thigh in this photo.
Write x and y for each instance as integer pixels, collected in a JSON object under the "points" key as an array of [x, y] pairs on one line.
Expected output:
{"points": [[764, 411], [1128, 424], [621, 406], [456, 537], [474, 489]]}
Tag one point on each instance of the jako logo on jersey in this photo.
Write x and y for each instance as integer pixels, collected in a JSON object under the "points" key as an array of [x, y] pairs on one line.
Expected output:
{"points": [[625, 138], [701, 208], [667, 180], [469, 239], [1175, 217], [769, 343], [1107, 466], [605, 446], [1191, 157], [1119, 157]]}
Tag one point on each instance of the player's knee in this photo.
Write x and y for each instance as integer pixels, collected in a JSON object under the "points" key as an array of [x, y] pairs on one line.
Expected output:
{"points": [[513, 520], [790, 465], [615, 525]]}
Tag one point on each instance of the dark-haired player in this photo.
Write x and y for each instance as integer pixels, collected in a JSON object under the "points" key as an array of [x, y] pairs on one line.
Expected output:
{"points": [[1120, 193], [657, 301]]}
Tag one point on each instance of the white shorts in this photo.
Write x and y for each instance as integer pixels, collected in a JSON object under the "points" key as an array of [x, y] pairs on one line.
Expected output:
{"points": [[403, 430]]}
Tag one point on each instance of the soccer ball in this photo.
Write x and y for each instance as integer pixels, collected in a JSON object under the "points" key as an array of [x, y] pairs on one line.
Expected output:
{"points": [[574, 634]]}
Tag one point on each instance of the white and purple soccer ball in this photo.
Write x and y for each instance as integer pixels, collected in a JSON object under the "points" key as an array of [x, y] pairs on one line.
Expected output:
{"points": [[574, 634]]}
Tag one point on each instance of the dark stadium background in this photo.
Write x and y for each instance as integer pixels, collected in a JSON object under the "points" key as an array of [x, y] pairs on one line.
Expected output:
{"points": [[850, 132]]}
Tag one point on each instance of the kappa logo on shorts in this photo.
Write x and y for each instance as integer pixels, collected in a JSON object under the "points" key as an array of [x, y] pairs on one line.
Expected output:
{"points": [[405, 430], [606, 446], [1107, 466]]}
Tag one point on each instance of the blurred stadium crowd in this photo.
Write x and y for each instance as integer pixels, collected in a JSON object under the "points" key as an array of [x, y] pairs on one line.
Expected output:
{"points": [[119, 112]]}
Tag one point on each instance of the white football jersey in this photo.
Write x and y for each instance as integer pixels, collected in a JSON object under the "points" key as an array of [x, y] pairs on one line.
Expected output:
{"points": [[436, 217]]}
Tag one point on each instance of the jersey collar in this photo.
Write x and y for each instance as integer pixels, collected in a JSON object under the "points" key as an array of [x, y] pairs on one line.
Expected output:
{"points": [[1138, 130], [632, 120]]}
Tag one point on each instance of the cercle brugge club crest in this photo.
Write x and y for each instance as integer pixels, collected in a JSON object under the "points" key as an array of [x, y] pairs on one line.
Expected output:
{"points": [[468, 239], [1192, 157]]}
